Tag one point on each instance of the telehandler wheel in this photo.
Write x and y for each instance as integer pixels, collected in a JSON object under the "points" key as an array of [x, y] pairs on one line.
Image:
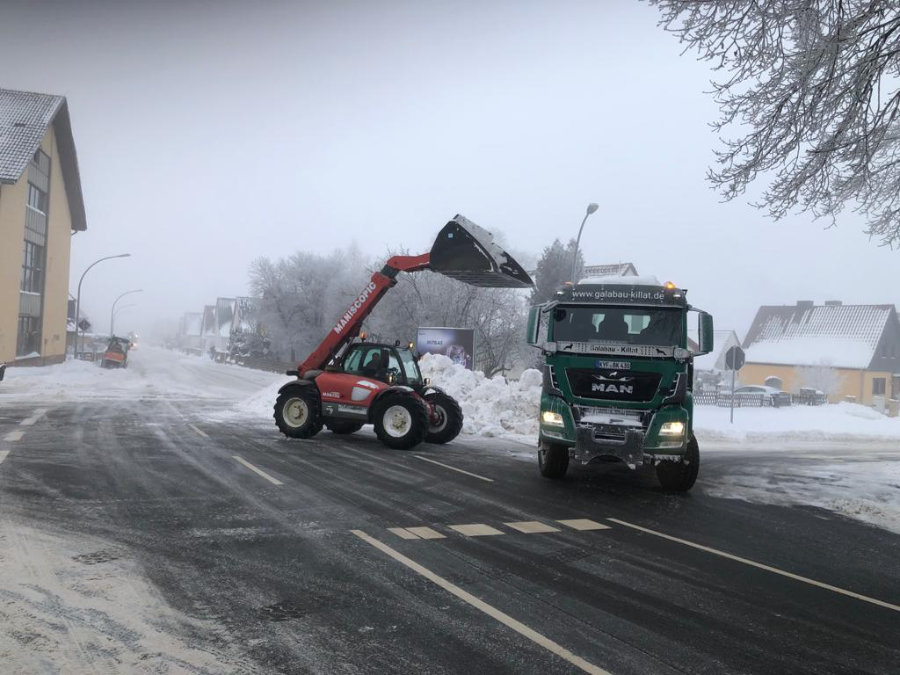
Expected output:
{"points": [[680, 476], [401, 420], [297, 412], [553, 460], [343, 426], [447, 421]]}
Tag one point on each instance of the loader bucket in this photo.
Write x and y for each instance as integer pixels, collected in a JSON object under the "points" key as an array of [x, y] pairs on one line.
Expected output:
{"points": [[466, 252]]}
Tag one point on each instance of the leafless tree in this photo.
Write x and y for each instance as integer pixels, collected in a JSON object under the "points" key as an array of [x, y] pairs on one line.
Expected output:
{"points": [[811, 88]]}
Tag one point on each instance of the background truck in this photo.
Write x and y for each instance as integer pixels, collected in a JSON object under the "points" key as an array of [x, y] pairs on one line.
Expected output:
{"points": [[346, 382], [618, 377]]}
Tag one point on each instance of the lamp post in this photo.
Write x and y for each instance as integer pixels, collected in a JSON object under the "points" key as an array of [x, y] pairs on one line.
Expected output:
{"points": [[590, 209], [112, 312], [78, 296]]}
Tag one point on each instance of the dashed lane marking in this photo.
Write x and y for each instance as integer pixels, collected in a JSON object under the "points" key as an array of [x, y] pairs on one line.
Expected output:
{"points": [[453, 468], [257, 470], [199, 431], [425, 533], [475, 530], [403, 533], [752, 563], [482, 606], [583, 524], [3, 454], [14, 436], [36, 415], [532, 527]]}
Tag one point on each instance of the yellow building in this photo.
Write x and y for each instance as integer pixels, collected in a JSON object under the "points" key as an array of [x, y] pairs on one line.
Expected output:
{"points": [[847, 351], [41, 205]]}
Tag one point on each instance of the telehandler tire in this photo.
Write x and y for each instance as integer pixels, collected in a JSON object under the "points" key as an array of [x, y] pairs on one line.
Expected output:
{"points": [[553, 460], [680, 476], [297, 412], [449, 422], [400, 420]]}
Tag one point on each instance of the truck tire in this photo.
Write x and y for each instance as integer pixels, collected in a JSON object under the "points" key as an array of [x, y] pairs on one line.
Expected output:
{"points": [[680, 476], [343, 426], [553, 460], [297, 412], [449, 420], [401, 420]]}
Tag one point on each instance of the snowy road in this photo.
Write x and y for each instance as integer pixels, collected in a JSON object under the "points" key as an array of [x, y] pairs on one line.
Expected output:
{"points": [[148, 527]]}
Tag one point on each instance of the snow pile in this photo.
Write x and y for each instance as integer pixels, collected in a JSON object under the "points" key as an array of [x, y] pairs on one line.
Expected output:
{"points": [[491, 406]]}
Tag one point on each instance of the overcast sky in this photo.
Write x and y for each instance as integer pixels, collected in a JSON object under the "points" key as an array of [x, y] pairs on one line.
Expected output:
{"points": [[212, 133]]}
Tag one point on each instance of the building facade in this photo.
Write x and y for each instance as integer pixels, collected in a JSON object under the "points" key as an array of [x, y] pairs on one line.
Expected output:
{"points": [[846, 351], [41, 205]]}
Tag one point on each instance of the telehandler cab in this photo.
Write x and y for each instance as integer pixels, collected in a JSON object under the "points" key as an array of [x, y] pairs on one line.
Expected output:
{"points": [[347, 382]]}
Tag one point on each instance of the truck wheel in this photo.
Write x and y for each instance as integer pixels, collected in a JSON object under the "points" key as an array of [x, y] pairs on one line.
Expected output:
{"points": [[680, 476], [447, 421], [553, 460], [297, 412], [343, 426], [401, 421]]}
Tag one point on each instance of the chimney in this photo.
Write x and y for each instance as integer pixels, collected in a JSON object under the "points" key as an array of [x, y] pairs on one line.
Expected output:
{"points": [[833, 303], [805, 304]]}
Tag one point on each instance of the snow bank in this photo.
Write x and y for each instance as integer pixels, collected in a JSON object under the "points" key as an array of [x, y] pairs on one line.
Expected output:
{"points": [[491, 406]]}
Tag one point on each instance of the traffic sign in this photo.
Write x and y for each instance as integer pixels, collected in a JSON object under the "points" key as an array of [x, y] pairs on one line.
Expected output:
{"points": [[734, 358]]}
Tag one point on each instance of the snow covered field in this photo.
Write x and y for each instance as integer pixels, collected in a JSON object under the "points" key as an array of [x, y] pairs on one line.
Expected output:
{"points": [[865, 485]]}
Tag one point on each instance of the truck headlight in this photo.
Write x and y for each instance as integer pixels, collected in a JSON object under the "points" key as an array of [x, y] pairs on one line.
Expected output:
{"points": [[552, 418], [672, 429]]}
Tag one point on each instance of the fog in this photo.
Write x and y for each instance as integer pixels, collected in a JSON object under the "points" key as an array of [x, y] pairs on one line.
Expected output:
{"points": [[212, 133]]}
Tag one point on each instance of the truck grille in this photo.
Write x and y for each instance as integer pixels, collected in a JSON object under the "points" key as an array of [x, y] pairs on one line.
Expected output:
{"points": [[613, 385]]}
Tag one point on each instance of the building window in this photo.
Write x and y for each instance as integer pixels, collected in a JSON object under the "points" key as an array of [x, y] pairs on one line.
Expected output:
{"points": [[29, 337], [878, 386], [33, 268]]}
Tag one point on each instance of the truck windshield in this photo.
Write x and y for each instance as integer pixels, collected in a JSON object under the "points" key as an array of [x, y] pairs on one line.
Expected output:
{"points": [[629, 325]]}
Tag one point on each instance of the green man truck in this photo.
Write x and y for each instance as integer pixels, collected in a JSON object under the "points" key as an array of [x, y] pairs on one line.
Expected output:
{"points": [[618, 377]]}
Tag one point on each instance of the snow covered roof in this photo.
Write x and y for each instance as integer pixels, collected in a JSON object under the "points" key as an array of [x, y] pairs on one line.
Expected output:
{"points": [[619, 280], [611, 270], [25, 118], [807, 335]]}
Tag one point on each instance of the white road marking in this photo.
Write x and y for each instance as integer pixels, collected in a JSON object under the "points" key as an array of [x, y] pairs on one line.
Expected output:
{"points": [[13, 436], [262, 473], [482, 606], [199, 431], [475, 530], [403, 533], [453, 468], [532, 527], [3, 454], [425, 533], [761, 566], [36, 415], [583, 524]]}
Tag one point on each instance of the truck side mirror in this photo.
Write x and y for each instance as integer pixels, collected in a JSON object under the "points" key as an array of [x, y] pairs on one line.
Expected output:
{"points": [[534, 325], [705, 332]]}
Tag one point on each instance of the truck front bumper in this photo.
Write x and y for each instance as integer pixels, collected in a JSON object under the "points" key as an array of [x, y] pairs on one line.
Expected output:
{"points": [[587, 448]]}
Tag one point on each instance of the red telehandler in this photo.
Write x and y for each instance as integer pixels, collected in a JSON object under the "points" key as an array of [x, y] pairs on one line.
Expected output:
{"points": [[346, 382]]}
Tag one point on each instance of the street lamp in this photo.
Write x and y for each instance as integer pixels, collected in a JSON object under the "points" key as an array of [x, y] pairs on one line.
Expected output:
{"points": [[590, 209], [112, 312], [78, 295]]}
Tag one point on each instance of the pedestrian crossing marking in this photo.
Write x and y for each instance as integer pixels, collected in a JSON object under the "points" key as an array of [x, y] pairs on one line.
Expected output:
{"points": [[475, 530], [532, 527], [583, 524], [403, 533], [425, 533]]}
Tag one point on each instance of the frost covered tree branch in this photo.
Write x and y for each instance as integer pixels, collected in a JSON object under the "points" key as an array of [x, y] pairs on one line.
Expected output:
{"points": [[810, 91]]}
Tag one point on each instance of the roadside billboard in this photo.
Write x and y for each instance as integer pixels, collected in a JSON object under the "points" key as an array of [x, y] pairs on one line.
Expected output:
{"points": [[456, 343]]}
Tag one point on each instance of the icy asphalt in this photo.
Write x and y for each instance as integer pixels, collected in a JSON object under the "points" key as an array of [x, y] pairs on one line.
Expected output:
{"points": [[147, 527]]}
